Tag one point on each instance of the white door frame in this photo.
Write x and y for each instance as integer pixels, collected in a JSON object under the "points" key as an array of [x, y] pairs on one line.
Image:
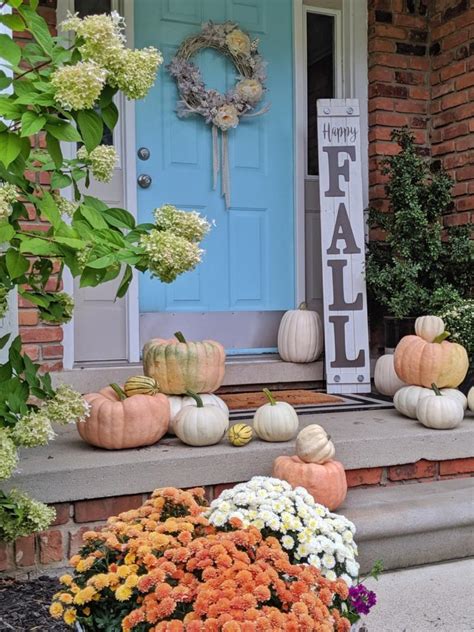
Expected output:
{"points": [[351, 81]]}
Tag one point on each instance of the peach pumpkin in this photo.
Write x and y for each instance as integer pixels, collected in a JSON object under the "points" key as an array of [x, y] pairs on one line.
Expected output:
{"points": [[326, 482], [423, 363], [180, 366], [117, 424]]}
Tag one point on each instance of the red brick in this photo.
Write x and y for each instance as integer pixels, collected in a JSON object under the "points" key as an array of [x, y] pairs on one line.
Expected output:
{"points": [[42, 334], [25, 551], [28, 317], [75, 540], [50, 367], [6, 561], [102, 508], [32, 351], [465, 173], [457, 466], [52, 351], [420, 469], [453, 70], [365, 476], [51, 546], [62, 514], [465, 81], [382, 30]]}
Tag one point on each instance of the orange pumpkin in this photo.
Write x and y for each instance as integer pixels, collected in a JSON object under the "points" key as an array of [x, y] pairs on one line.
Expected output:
{"points": [[326, 482], [117, 424], [423, 363], [179, 366]]}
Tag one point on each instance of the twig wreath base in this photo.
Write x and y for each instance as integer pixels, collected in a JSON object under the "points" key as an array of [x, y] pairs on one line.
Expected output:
{"points": [[222, 111]]}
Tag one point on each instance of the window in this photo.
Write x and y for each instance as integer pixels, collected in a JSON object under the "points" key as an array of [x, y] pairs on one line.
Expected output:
{"points": [[320, 47]]}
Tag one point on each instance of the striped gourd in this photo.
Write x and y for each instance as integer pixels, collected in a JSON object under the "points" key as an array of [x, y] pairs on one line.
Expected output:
{"points": [[240, 434], [141, 385]]}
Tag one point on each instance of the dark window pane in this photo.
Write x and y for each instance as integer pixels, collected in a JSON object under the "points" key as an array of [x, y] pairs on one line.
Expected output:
{"points": [[92, 7], [320, 56]]}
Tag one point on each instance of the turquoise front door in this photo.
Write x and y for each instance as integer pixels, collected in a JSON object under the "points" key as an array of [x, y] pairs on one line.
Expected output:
{"points": [[247, 277]]}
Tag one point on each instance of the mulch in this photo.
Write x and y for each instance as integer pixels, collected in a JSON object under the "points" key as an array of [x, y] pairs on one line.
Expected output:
{"points": [[24, 605], [302, 397]]}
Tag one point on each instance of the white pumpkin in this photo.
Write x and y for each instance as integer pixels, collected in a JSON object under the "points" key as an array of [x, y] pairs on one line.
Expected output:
{"points": [[406, 399], [275, 421], [429, 327], [439, 412], [177, 402], [470, 399], [386, 380], [455, 394], [201, 424], [314, 445], [300, 335]]}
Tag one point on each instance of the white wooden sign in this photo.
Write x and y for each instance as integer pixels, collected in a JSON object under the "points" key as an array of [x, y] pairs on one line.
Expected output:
{"points": [[342, 247]]}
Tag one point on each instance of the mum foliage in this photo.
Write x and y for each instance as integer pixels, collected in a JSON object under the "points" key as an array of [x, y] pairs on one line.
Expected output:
{"points": [[163, 567], [419, 267], [64, 91]]}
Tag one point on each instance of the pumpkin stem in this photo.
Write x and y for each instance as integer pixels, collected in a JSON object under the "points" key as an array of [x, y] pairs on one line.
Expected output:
{"points": [[119, 391], [442, 337], [303, 305], [197, 398], [269, 396], [180, 336], [436, 389]]}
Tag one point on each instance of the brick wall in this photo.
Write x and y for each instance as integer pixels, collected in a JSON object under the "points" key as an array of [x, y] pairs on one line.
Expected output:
{"points": [[52, 548]]}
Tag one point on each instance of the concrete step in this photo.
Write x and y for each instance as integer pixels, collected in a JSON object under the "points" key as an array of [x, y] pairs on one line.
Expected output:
{"points": [[413, 524]]}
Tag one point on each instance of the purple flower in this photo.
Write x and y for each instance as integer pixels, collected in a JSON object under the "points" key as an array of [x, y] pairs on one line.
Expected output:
{"points": [[361, 599]]}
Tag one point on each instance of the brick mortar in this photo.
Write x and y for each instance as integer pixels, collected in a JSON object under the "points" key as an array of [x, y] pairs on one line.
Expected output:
{"points": [[408, 474]]}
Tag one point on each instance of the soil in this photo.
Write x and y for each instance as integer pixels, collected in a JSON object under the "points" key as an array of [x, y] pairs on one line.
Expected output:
{"points": [[24, 605]]}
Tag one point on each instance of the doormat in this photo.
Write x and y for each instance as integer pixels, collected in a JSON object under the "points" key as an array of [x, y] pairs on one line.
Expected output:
{"points": [[242, 401]]}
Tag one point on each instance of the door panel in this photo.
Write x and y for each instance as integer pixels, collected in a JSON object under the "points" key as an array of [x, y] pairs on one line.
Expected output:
{"points": [[249, 260]]}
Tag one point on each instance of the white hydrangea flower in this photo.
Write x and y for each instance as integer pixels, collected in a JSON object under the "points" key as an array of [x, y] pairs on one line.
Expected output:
{"points": [[136, 72], [65, 207], [169, 255], [33, 429], [67, 406], [79, 86], [102, 160], [8, 195], [8, 455]]}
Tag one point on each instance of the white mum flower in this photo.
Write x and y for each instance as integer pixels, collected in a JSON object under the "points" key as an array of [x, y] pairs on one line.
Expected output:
{"points": [[352, 567], [329, 561], [218, 518], [287, 542], [331, 575]]}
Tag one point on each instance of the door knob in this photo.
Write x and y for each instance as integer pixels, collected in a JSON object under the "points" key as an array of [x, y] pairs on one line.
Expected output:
{"points": [[144, 180], [143, 153]]}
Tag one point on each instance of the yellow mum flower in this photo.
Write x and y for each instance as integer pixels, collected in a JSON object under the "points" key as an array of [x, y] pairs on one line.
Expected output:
{"points": [[99, 581], [66, 579], [75, 559], [85, 595], [70, 616], [130, 558], [84, 565], [123, 593], [124, 571], [66, 598], [56, 610], [132, 580]]}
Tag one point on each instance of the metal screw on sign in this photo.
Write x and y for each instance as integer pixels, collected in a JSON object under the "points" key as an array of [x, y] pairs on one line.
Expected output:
{"points": [[360, 378], [350, 110], [337, 378], [326, 110]]}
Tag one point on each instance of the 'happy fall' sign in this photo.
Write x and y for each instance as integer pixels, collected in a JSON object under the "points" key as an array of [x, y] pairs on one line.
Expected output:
{"points": [[342, 245]]}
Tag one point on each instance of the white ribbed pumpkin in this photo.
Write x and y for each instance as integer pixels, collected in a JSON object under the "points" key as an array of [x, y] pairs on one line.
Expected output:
{"points": [[455, 394], [314, 445], [470, 399], [439, 412], [406, 399], [300, 335], [386, 380], [178, 402], [275, 421], [201, 424], [429, 327]]}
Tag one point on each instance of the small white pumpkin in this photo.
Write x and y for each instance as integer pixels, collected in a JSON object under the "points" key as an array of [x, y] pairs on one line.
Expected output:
{"points": [[406, 399], [275, 421], [177, 402], [300, 335], [201, 424], [386, 380], [470, 399], [439, 412], [314, 445], [455, 394], [429, 327]]}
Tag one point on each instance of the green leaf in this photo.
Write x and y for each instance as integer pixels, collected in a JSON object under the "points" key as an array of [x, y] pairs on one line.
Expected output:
{"points": [[119, 218], [13, 22], [10, 147], [63, 131], [3, 340], [94, 217], [5, 81], [91, 278], [15, 3], [35, 298], [60, 180], [54, 149], [106, 96], [125, 282], [38, 27], [70, 242], [91, 128], [102, 262], [110, 114], [95, 203], [37, 246], [34, 4], [6, 232], [9, 109], [9, 50], [16, 263], [31, 122], [49, 209]]}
